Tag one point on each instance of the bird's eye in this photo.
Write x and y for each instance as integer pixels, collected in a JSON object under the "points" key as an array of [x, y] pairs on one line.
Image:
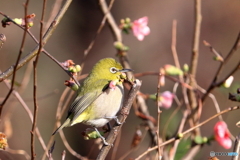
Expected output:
{"points": [[113, 70]]}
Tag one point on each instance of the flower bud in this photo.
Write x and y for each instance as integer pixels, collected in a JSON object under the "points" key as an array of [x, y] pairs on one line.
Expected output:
{"points": [[90, 133], [218, 58], [19, 21], [185, 67], [112, 84], [123, 75], [72, 85], [172, 70], [228, 82], [72, 69], [222, 135], [78, 68]]}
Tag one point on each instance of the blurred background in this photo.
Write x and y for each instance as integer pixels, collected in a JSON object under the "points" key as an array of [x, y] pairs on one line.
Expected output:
{"points": [[220, 27]]}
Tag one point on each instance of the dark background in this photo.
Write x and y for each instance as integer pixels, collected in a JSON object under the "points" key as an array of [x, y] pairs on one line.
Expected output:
{"points": [[220, 26]]}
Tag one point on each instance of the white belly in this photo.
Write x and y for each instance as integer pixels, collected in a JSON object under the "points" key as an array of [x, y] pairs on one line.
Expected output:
{"points": [[106, 107]]}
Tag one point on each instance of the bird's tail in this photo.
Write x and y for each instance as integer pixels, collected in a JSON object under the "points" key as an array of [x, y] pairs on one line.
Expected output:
{"points": [[65, 124]]}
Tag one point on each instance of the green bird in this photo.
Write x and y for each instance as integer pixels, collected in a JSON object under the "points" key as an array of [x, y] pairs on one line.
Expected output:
{"points": [[99, 98]]}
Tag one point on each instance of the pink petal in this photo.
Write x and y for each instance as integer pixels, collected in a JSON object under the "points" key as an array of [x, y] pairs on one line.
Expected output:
{"points": [[143, 21], [222, 135], [225, 142], [146, 30], [140, 37]]}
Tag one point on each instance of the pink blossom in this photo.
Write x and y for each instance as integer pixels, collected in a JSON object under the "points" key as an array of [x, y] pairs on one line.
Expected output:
{"points": [[140, 28], [112, 84], [222, 135], [166, 99]]}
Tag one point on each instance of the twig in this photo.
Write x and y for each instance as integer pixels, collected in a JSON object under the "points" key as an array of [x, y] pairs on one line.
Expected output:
{"points": [[113, 25], [180, 129], [46, 36], [236, 147], [35, 62], [22, 152], [22, 102], [122, 117], [158, 114], [69, 147], [174, 42], [195, 54], [116, 145], [54, 10], [102, 24], [133, 149], [231, 52], [43, 50], [59, 113], [63, 155], [15, 67], [124, 61], [189, 130]]}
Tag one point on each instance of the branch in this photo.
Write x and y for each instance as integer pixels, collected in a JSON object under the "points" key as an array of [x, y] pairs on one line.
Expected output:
{"points": [[188, 131], [124, 61], [46, 37], [15, 67], [194, 60], [231, 52], [22, 102], [122, 117], [35, 62]]}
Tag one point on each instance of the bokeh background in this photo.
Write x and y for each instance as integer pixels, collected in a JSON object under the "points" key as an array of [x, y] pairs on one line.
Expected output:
{"points": [[220, 27]]}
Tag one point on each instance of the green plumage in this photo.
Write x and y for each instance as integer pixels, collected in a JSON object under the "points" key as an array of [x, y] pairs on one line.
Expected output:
{"points": [[97, 103]]}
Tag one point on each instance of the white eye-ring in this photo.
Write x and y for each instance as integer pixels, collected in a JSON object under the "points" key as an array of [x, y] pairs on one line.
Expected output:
{"points": [[113, 70]]}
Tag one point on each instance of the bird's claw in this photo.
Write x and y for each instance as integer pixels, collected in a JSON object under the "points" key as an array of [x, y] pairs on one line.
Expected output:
{"points": [[117, 121]]}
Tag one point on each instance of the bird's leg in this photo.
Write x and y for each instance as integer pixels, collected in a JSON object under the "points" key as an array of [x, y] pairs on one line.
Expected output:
{"points": [[117, 121], [109, 127], [103, 139]]}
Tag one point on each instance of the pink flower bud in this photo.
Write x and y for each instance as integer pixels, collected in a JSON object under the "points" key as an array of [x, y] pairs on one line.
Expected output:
{"points": [[222, 135], [140, 28], [166, 99]]}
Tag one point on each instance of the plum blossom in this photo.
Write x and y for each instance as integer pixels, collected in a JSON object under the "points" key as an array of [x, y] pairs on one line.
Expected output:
{"points": [[222, 135], [140, 28], [112, 84], [166, 99]]}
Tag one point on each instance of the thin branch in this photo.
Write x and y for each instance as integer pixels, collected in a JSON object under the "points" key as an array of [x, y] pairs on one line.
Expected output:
{"points": [[26, 108], [69, 147], [189, 130], [113, 25], [35, 62], [235, 46], [159, 114], [46, 36], [21, 152], [59, 113], [174, 42], [194, 60], [236, 147], [180, 129], [196, 37], [15, 67], [124, 61], [122, 117], [43, 50]]}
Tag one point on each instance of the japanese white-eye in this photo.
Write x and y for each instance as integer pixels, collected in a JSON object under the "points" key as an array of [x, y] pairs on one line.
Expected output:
{"points": [[100, 96]]}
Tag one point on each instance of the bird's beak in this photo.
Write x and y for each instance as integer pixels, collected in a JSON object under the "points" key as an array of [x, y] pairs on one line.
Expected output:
{"points": [[125, 70]]}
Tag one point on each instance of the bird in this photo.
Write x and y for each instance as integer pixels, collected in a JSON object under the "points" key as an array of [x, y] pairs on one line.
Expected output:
{"points": [[99, 98]]}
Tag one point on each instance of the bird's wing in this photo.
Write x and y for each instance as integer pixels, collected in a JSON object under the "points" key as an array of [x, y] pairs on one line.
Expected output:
{"points": [[82, 102]]}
